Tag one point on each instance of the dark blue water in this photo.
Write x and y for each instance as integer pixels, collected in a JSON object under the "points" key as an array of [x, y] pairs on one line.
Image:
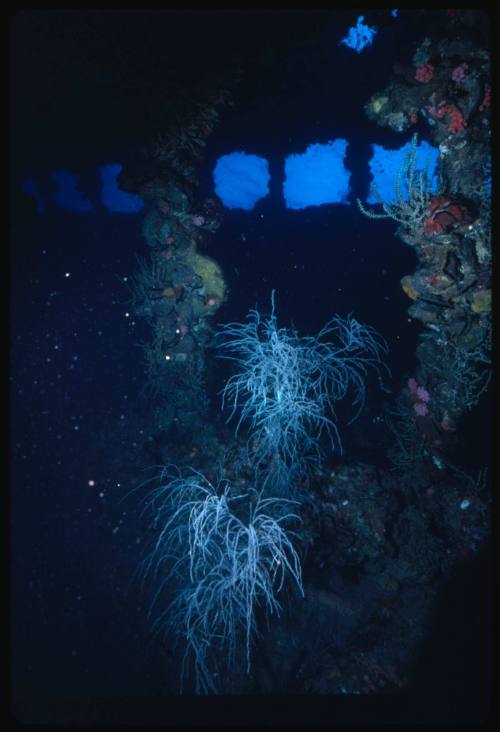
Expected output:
{"points": [[83, 85]]}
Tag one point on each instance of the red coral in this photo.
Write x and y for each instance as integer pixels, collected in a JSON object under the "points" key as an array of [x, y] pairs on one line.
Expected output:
{"points": [[433, 227], [424, 73], [444, 212], [438, 202], [457, 121], [437, 206], [456, 118]]}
